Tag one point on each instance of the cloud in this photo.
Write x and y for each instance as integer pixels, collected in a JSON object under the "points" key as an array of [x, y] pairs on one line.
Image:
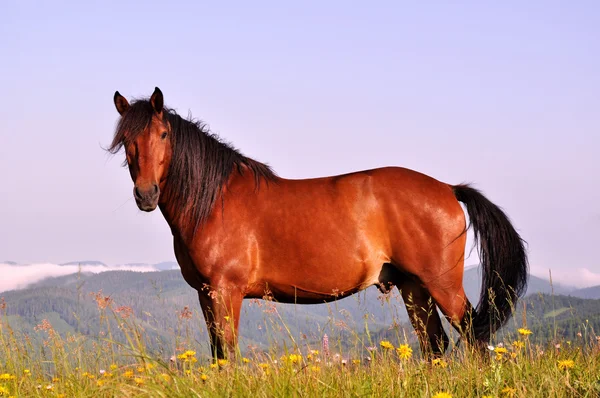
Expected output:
{"points": [[20, 276], [578, 277]]}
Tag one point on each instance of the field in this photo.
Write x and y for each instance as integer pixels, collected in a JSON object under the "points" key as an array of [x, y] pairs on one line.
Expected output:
{"points": [[48, 364]]}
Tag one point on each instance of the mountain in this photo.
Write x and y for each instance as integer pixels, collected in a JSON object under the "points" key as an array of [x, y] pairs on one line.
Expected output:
{"points": [[587, 293], [157, 299], [472, 284], [86, 262]]}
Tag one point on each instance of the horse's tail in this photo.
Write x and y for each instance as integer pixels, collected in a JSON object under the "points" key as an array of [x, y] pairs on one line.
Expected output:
{"points": [[503, 259]]}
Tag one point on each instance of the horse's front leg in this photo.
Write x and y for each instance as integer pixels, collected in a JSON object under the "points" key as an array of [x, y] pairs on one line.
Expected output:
{"points": [[221, 308]]}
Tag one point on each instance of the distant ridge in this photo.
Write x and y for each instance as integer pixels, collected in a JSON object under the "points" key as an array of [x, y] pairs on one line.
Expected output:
{"points": [[86, 262]]}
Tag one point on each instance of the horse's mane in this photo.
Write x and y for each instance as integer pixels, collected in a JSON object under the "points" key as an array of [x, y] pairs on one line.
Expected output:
{"points": [[201, 163]]}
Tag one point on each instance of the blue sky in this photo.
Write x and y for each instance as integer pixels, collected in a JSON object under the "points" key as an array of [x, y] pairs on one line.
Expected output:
{"points": [[504, 95]]}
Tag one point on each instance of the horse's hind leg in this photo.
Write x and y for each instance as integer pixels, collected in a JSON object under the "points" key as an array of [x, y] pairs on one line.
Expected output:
{"points": [[424, 317]]}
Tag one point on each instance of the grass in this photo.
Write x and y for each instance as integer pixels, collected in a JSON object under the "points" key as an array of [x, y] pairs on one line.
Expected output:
{"points": [[81, 366]]}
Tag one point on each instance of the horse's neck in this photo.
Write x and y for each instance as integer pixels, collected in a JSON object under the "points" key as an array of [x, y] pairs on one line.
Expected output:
{"points": [[178, 230]]}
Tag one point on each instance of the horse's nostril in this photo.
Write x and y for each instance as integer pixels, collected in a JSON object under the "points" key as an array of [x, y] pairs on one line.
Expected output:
{"points": [[137, 193], [155, 188]]}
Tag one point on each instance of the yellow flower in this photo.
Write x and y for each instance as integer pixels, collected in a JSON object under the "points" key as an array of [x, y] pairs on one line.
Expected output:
{"points": [[386, 345], [442, 395], [3, 391], [525, 332], [264, 366], [188, 356], [128, 374], [222, 362], [100, 383], [245, 360], [139, 381], [141, 369], [356, 361], [315, 368], [292, 358], [518, 344], [508, 391], [500, 350], [113, 366], [404, 351], [165, 377], [439, 362], [214, 366], [26, 372], [203, 377], [7, 376], [566, 364]]}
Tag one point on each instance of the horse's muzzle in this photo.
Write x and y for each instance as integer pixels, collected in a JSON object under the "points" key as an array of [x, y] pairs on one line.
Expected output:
{"points": [[146, 198]]}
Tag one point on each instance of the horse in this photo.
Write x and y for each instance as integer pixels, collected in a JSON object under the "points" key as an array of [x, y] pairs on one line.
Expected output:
{"points": [[240, 231]]}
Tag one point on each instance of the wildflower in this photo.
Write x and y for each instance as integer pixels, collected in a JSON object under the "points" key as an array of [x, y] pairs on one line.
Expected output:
{"points": [[404, 351], [263, 365], [525, 332], [439, 362], [50, 387], [165, 377], [100, 383], [214, 366], [203, 377], [356, 361], [139, 381], [222, 362], [3, 391], [245, 360], [128, 374], [7, 376], [26, 372], [518, 344], [442, 395], [56, 379], [509, 391], [344, 362], [113, 366], [500, 350], [188, 356], [315, 369], [325, 345], [386, 345], [566, 364]]}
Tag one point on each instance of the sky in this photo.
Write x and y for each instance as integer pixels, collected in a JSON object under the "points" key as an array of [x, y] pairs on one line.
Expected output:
{"points": [[504, 95]]}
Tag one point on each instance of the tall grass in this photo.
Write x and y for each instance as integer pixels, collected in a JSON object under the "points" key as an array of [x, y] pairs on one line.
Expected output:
{"points": [[350, 362]]}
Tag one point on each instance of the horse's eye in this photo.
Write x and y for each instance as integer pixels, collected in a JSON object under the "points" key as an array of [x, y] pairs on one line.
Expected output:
{"points": [[163, 135]]}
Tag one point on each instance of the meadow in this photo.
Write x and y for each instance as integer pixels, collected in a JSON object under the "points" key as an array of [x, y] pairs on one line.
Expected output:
{"points": [[46, 363]]}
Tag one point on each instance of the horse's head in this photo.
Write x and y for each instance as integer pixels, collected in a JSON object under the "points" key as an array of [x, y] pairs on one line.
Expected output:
{"points": [[145, 133]]}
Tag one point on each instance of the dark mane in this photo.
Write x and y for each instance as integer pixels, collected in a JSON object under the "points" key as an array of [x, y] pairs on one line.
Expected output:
{"points": [[200, 164]]}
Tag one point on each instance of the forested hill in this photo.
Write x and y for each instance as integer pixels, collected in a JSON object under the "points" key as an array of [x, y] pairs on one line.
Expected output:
{"points": [[157, 299]]}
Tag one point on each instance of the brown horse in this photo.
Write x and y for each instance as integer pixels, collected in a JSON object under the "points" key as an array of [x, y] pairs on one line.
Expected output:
{"points": [[240, 231]]}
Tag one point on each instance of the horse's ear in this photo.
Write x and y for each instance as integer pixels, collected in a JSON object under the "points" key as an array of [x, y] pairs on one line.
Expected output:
{"points": [[157, 100], [121, 103]]}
